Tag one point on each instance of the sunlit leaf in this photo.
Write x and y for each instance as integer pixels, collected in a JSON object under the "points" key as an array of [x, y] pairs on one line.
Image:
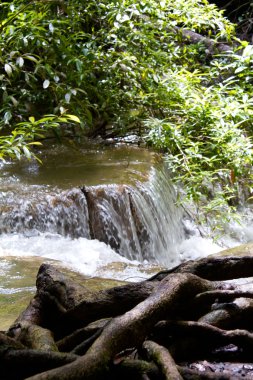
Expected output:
{"points": [[8, 69], [46, 83], [27, 152], [30, 58], [20, 61], [37, 143], [14, 101], [73, 118]]}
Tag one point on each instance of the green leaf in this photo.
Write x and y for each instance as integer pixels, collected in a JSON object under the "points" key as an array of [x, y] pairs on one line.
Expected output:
{"points": [[73, 118], [31, 58], [240, 69], [27, 152], [37, 143]]}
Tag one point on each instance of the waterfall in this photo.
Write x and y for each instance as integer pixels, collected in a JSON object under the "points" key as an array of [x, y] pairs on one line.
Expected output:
{"points": [[63, 213], [140, 222]]}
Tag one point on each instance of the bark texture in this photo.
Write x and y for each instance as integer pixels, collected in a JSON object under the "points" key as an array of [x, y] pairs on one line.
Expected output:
{"points": [[161, 328]]}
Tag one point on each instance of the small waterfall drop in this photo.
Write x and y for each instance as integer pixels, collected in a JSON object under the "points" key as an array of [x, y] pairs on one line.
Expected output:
{"points": [[100, 210], [162, 217], [140, 222], [63, 213]]}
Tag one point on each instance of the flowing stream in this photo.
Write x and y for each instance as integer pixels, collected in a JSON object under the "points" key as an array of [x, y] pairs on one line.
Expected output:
{"points": [[108, 212]]}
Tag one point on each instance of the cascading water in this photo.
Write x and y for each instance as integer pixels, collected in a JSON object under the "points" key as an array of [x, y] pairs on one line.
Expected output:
{"points": [[112, 230], [63, 213], [68, 210], [139, 222]]}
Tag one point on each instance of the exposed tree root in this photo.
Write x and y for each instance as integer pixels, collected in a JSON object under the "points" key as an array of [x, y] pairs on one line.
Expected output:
{"points": [[222, 295], [135, 369], [131, 328], [107, 303], [236, 314], [163, 359], [213, 268], [33, 336], [191, 339], [70, 342], [187, 313], [19, 364]]}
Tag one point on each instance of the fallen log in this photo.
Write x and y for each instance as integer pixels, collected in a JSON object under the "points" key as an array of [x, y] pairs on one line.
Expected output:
{"points": [[212, 46]]}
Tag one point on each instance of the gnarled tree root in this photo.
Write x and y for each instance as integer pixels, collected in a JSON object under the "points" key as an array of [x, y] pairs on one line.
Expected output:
{"points": [[193, 339], [161, 356], [213, 268], [130, 329], [149, 327], [19, 364]]}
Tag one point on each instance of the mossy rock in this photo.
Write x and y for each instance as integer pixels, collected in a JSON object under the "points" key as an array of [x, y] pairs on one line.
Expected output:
{"points": [[240, 250], [18, 278]]}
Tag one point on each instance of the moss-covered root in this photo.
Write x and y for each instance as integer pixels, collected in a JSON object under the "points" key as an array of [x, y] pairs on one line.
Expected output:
{"points": [[130, 329], [161, 356], [33, 336]]}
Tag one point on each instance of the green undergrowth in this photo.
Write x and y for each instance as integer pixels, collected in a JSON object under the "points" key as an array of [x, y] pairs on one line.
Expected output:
{"points": [[115, 67]]}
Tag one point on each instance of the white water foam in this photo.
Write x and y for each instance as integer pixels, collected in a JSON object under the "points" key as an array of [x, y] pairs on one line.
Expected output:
{"points": [[197, 247], [94, 258], [89, 257]]}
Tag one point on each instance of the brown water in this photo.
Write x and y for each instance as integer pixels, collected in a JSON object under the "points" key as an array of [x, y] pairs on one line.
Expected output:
{"points": [[66, 166]]}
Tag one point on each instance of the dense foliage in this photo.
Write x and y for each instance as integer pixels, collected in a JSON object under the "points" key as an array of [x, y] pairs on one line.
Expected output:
{"points": [[239, 12], [122, 66]]}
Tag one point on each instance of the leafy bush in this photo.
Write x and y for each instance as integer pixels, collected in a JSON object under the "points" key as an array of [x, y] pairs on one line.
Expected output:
{"points": [[100, 61], [124, 65]]}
